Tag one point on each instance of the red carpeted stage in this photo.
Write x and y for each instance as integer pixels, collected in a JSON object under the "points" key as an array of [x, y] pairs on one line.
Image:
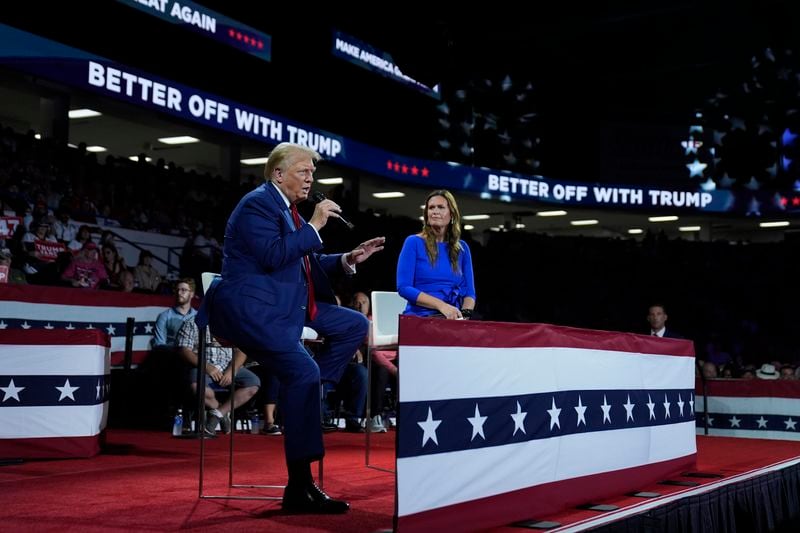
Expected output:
{"points": [[148, 480]]}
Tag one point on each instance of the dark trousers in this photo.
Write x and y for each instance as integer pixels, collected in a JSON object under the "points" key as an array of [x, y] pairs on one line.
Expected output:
{"points": [[351, 391], [299, 375]]}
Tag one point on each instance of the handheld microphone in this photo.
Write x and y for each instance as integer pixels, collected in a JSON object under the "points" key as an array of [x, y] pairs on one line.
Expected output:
{"points": [[318, 196]]}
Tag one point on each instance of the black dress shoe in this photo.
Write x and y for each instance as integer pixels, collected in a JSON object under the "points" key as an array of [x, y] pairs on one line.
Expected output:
{"points": [[329, 425], [353, 426], [307, 498]]}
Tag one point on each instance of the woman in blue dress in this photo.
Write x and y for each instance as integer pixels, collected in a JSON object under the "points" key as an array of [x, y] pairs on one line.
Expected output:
{"points": [[434, 270]]}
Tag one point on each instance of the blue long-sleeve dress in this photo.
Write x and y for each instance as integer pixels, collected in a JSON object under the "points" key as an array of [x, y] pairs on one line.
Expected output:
{"points": [[415, 274]]}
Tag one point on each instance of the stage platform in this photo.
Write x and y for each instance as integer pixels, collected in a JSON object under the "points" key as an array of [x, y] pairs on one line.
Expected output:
{"points": [[147, 480]]}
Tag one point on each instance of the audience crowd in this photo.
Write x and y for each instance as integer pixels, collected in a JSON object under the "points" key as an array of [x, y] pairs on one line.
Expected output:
{"points": [[733, 300]]}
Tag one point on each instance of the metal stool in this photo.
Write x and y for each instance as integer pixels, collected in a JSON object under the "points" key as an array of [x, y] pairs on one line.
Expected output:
{"points": [[308, 334]]}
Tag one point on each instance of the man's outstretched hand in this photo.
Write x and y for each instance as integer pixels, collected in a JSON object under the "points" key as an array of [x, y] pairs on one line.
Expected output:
{"points": [[363, 251]]}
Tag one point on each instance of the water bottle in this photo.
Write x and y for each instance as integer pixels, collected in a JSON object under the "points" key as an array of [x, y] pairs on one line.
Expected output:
{"points": [[255, 424], [177, 425]]}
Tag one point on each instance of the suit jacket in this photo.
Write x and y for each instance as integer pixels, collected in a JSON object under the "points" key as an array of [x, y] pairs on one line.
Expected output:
{"points": [[260, 301], [668, 334]]}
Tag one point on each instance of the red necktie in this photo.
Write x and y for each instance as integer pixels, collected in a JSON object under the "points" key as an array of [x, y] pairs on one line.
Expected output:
{"points": [[312, 303]]}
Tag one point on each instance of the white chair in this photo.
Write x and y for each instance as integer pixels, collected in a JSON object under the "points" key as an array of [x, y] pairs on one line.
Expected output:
{"points": [[308, 335], [386, 310]]}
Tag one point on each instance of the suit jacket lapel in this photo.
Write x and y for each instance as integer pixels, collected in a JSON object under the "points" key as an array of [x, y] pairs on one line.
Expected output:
{"points": [[281, 205]]}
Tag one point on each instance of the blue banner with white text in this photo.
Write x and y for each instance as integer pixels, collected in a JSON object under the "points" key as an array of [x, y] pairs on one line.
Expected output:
{"points": [[33, 54]]}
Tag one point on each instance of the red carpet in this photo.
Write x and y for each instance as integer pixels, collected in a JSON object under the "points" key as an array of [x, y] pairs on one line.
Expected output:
{"points": [[148, 481]]}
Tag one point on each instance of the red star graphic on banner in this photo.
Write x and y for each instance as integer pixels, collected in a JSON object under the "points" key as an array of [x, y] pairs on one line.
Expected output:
{"points": [[425, 172], [414, 170]]}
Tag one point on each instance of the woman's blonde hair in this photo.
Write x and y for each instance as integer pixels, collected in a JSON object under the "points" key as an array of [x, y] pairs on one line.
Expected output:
{"points": [[452, 234]]}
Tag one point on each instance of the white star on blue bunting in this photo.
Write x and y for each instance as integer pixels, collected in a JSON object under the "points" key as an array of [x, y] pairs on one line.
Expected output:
{"points": [[581, 410], [606, 410], [628, 409], [554, 413], [429, 428], [12, 391], [477, 424], [519, 420], [67, 391]]}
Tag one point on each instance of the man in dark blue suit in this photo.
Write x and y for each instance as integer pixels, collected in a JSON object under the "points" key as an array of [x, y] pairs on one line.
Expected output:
{"points": [[657, 318], [264, 299]]}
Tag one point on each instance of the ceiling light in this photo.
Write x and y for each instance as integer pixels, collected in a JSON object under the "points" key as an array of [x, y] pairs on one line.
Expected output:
{"points": [[136, 158], [83, 113], [670, 218], [468, 226], [689, 228], [392, 194], [519, 225], [180, 139], [476, 217], [253, 160], [557, 213], [776, 224], [95, 148], [331, 181], [37, 136], [587, 222], [635, 231]]}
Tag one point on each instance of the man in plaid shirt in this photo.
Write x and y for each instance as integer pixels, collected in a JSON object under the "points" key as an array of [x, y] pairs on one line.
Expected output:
{"points": [[219, 374]]}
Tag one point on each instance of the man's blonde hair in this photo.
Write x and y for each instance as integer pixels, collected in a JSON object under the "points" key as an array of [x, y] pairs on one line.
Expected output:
{"points": [[283, 155]]}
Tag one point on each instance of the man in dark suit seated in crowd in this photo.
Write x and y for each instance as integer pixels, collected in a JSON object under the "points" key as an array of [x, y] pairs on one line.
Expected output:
{"points": [[657, 318]]}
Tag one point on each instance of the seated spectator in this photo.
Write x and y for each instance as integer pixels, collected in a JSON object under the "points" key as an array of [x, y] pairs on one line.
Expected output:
{"points": [[220, 364], [147, 277], [657, 318], [115, 265], [268, 398], [767, 371], [351, 391], [170, 321], [107, 237], [384, 369], [727, 372], [85, 270], [9, 274], [128, 284], [37, 246], [710, 370], [64, 227], [787, 372], [83, 236]]}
